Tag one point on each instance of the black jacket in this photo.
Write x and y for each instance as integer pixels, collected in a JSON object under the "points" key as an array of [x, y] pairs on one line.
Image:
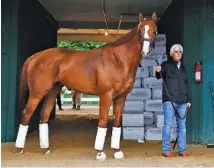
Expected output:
{"points": [[176, 81]]}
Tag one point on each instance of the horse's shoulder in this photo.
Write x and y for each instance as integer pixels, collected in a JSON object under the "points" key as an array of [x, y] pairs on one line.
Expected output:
{"points": [[109, 47], [64, 50]]}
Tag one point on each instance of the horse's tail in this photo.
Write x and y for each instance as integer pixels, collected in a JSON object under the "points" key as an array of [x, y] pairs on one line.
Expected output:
{"points": [[23, 87]]}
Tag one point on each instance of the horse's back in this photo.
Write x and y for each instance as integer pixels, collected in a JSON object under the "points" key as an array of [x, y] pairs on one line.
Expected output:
{"points": [[92, 72]]}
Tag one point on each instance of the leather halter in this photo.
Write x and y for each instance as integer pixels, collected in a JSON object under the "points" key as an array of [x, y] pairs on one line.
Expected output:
{"points": [[142, 39]]}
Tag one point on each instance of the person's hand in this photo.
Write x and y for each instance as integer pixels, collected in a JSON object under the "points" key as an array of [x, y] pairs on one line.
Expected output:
{"points": [[158, 68], [188, 105]]}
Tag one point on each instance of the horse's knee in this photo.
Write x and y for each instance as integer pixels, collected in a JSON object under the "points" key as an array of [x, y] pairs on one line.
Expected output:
{"points": [[44, 118], [117, 121], [103, 123], [25, 119], [28, 111], [117, 124]]}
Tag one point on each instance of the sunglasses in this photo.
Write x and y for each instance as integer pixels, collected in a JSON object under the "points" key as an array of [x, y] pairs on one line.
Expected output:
{"points": [[178, 52]]}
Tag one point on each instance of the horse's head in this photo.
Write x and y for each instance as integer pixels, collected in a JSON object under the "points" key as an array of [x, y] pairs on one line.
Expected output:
{"points": [[147, 30]]}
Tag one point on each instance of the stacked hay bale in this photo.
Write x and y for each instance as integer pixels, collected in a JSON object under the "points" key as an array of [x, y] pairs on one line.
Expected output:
{"points": [[143, 111]]}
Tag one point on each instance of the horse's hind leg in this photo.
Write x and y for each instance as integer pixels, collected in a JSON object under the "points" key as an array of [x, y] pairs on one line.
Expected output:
{"points": [[118, 104], [105, 102], [48, 105], [29, 109]]}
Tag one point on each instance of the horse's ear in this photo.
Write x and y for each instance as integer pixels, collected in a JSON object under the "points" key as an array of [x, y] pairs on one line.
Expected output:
{"points": [[140, 17], [154, 17]]}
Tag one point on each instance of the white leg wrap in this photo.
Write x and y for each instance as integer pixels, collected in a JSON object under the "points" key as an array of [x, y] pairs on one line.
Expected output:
{"points": [[21, 137], [115, 138], [43, 135], [100, 138]]}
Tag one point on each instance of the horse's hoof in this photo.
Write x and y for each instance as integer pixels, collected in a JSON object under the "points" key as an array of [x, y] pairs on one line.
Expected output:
{"points": [[101, 156], [118, 155], [18, 151], [46, 151]]}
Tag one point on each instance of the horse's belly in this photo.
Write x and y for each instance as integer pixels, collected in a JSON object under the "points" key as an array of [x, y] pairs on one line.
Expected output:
{"points": [[79, 83], [79, 86], [85, 82]]}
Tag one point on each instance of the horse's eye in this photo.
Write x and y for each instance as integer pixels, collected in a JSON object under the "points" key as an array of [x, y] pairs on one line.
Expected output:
{"points": [[155, 32]]}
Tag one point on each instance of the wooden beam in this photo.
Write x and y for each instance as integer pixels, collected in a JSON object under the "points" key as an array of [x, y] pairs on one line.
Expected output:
{"points": [[91, 31], [95, 25], [89, 37]]}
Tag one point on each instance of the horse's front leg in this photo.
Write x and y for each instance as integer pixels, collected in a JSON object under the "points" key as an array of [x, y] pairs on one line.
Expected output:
{"points": [[105, 102], [116, 130]]}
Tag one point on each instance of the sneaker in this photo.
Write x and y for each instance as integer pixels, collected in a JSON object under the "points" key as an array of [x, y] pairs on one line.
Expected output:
{"points": [[169, 154], [183, 154], [74, 107], [78, 108]]}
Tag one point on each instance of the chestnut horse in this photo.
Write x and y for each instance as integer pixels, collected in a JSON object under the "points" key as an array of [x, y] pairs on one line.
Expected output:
{"points": [[108, 71]]}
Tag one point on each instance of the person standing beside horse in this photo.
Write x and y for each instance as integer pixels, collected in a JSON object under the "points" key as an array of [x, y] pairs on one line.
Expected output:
{"points": [[59, 103], [176, 99], [76, 100]]}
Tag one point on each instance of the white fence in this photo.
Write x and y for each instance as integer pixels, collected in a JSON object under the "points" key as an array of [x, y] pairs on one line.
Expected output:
{"points": [[94, 99], [84, 99]]}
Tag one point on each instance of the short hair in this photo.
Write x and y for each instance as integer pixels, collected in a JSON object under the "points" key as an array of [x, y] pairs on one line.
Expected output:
{"points": [[175, 47]]}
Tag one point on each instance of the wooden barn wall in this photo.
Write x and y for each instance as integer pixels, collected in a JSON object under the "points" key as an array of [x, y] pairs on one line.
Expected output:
{"points": [[9, 58], [26, 29], [37, 32], [190, 23]]}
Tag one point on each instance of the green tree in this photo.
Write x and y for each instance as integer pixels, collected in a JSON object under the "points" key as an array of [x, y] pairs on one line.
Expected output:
{"points": [[80, 45]]}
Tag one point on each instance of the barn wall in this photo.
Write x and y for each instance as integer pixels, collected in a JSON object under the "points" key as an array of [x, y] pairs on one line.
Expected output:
{"points": [[37, 32], [9, 58], [190, 23], [171, 23], [207, 51], [26, 28]]}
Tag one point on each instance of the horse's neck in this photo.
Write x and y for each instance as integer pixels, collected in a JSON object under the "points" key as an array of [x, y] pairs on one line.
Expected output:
{"points": [[124, 39], [131, 56], [134, 46], [129, 52]]}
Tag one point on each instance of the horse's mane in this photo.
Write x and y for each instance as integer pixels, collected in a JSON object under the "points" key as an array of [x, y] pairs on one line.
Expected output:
{"points": [[124, 38]]}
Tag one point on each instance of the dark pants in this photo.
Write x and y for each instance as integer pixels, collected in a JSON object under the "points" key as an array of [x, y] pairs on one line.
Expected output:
{"points": [[59, 101]]}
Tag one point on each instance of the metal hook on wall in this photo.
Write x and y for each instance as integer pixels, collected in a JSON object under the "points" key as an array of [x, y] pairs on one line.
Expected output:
{"points": [[121, 17], [104, 14]]}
